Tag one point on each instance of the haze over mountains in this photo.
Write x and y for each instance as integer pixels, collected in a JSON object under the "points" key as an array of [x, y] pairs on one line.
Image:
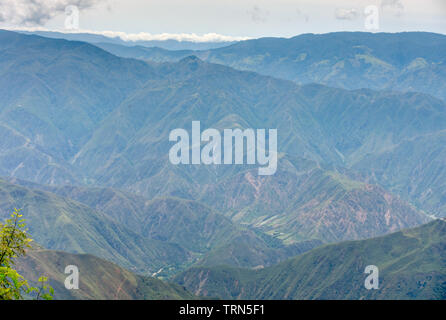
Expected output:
{"points": [[98, 39], [407, 61], [111, 130], [85, 153]]}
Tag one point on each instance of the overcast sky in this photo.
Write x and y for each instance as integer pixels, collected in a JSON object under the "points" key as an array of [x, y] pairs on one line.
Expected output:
{"points": [[233, 18]]}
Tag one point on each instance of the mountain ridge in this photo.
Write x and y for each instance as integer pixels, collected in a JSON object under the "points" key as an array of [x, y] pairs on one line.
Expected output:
{"points": [[98, 279], [411, 266], [405, 61]]}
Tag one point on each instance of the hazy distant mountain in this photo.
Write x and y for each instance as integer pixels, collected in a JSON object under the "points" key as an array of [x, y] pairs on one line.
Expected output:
{"points": [[155, 54], [169, 44], [315, 122], [171, 233], [287, 214], [89, 131], [54, 93], [219, 97], [412, 265], [408, 61], [414, 168], [63, 224], [363, 122], [297, 205], [86, 116], [99, 279]]}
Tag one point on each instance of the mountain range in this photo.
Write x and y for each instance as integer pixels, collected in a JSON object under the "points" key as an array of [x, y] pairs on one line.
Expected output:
{"points": [[411, 265], [98, 279], [406, 61], [161, 236], [85, 156], [106, 143]]}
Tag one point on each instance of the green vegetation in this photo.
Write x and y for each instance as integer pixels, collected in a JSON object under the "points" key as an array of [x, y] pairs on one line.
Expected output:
{"points": [[409, 61], [420, 178], [296, 205], [167, 234], [98, 279], [14, 240], [98, 131], [412, 265], [88, 131], [62, 224]]}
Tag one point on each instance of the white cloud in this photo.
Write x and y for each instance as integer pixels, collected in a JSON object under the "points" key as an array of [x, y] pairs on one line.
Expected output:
{"points": [[37, 12], [31, 15], [144, 36]]}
